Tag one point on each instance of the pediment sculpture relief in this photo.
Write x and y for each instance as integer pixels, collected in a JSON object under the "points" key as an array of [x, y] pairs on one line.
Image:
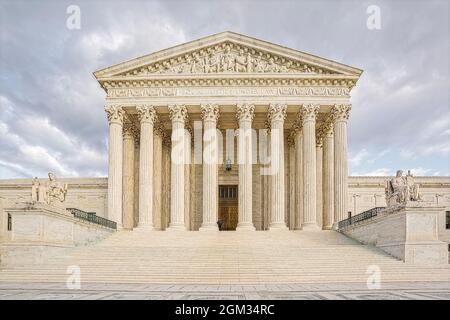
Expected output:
{"points": [[50, 192], [227, 58], [401, 189]]}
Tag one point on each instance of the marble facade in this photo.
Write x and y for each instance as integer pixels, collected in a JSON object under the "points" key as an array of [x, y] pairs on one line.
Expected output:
{"points": [[228, 81]]}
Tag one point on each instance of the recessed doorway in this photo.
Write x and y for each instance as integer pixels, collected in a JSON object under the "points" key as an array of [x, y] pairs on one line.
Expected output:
{"points": [[228, 207]]}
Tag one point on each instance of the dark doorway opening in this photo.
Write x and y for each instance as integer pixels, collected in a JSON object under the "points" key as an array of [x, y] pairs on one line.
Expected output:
{"points": [[228, 207]]}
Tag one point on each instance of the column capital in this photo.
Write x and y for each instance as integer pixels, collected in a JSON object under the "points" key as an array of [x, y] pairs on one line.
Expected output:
{"points": [[309, 112], [245, 112], [178, 113], [210, 112], [114, 113], [327, 128], [159, 129], [277, 112], [291, 140], [341, 112], [129, 130], [147, 113], [319, 141]]}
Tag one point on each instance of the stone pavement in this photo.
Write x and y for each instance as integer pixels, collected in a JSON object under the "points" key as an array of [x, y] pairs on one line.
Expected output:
{"points": [[335, 291]]}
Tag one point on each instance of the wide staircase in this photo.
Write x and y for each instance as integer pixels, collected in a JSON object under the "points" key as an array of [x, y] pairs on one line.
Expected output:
{"points": [[225, 258]]}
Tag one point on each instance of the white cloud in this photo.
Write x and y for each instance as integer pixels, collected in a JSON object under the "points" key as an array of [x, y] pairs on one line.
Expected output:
{"points": [[377, 172], [357, 158]]}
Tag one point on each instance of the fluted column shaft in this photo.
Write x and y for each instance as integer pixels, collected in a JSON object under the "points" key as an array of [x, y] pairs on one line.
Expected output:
{"points": [[319, 172], [210, 115], [147, 117], [340, 114], [115, 119], [292, 179], [178, 115], [328, 178], [299, 179], [128, 177], [157, 178], [277, 114], [187, 179], [245, 114], [309, 166]]}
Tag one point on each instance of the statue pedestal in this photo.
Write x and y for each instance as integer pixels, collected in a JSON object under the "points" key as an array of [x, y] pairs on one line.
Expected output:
{"points": [[409, 232], [40, 230], [412, 234]]}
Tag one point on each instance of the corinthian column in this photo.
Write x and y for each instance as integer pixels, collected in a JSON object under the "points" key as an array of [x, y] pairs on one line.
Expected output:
{"points": [[299, 177], [328, 176], [292, 177], [210, 115], [128, 176], [340, 113], [115, 119], [309, 113], [245, 113], [158, 177], [178, 115], [277, 114], [147, 117], [319, 164]]}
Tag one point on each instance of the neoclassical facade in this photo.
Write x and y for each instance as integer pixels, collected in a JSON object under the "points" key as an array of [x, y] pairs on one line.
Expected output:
{"points": [[249, 106]]}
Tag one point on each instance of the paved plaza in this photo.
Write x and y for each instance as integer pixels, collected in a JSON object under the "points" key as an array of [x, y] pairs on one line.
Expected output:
{"points": [[341, 291]]}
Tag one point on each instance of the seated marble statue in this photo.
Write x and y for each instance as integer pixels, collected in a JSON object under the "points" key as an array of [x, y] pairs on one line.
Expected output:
{"points": [[401, 189], [49, 192]]}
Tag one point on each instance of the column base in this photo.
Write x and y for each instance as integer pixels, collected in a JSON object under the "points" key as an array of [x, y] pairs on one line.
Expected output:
{"points": [[245, 226], [310, 226], [144, 228], [209, 227], [327, 228], [276, 226], [176, 227]]}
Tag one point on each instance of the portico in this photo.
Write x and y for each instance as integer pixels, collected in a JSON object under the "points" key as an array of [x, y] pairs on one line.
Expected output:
{"points": [[287, 113]]}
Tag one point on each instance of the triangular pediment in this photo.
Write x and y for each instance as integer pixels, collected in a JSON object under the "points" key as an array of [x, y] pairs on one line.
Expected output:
{"points": [[226, 53]]}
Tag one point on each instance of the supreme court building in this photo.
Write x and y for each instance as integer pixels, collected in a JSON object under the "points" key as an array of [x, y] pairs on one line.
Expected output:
{"points": [[277, 101]]}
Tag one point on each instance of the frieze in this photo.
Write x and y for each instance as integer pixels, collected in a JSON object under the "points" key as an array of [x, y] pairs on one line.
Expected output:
{"points": [[227, 91], [227, 58]]}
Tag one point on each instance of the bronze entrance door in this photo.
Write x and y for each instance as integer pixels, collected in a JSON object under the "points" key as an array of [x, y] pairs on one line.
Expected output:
{"points": [[228, 207]]}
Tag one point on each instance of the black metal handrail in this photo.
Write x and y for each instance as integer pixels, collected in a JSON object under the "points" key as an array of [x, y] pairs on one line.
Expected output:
{"points": [[92, 217], [360, 217]]}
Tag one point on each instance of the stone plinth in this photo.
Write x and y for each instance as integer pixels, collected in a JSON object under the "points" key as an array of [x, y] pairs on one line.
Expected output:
{"points": [[409, 233], [40, 230]]}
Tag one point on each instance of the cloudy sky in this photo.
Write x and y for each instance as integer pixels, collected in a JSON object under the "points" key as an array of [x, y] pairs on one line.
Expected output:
{"points": [[51, 107]]}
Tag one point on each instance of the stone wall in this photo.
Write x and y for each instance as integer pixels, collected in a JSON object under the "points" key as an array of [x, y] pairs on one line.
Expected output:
{"points": [[409, 233], [89, 194], [41, 230]]}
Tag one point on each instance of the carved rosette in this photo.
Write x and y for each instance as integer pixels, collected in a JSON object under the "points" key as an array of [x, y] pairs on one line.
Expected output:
{"points": [[245, 112], [277, 112], [341, 112], [147, 113], [309, 112], [178, 113], [115, 114], [210, 112]]}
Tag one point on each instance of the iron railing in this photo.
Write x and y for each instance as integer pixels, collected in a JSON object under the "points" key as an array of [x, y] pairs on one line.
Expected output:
{"points": [[92, 217], [360, 217]]}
